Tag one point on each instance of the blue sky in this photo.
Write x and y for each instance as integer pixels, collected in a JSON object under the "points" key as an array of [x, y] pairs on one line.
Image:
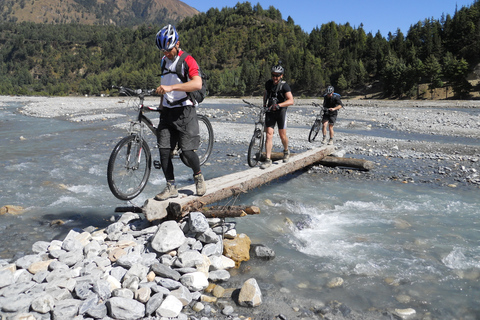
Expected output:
{"points": [[383, 15]]}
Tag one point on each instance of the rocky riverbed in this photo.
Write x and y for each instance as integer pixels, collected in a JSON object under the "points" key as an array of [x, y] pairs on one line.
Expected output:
{"points": [[440, 147]]}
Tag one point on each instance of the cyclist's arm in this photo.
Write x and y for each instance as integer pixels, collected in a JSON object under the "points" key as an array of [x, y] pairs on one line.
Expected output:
{"points": [[338, 105], [190, 86], [289, 101]]}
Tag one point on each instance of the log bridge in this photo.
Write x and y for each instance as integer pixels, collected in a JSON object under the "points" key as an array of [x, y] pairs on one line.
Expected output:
{"points": [[231, 185]]}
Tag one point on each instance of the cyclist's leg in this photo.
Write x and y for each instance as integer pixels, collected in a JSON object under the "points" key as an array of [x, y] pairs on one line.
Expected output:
{"points": [[270, 121], [167, 165], [282, 127], [167, 140], [189, 138], [325, 119], [331, 123], [193, 160]]}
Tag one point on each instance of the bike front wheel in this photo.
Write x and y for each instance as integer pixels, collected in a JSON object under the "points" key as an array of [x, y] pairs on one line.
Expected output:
{"points": [[129, 167], [314, 130], [206, 141], [255, 148]]}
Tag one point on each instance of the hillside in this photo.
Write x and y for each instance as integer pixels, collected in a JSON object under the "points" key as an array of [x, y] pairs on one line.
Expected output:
{"points": [[125, 13], [237, 47]]}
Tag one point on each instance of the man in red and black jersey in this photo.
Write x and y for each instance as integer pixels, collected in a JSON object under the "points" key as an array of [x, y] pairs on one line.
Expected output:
{"points": [[178, 121]]}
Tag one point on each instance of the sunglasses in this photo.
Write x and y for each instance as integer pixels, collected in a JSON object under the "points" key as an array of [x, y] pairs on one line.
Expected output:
{"points": [[276, 75], [166, 51]]}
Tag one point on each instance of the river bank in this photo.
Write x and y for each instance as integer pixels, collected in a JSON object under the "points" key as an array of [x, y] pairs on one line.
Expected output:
{"points": [[443, 133]]}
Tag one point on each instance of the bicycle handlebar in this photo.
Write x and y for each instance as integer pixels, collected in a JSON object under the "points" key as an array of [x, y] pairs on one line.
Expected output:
{"points": [[133, 92], [251, 105]]}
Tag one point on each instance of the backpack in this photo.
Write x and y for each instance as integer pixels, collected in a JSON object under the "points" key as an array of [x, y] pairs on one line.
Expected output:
{"points": [[195, 96], [273, 93]]}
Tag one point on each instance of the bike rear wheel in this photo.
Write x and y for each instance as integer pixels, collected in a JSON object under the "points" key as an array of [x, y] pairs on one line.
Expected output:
{"points": [[314, 130], [206, 141], [255, 148], [129, 167]]}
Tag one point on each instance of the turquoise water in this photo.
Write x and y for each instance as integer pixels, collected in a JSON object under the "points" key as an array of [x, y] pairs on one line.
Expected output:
{"points": [[395, 245], [386, 240]]}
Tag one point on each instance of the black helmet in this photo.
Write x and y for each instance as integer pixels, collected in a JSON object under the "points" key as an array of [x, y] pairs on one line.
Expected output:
{"points": [[330, 89], [277, 69]]}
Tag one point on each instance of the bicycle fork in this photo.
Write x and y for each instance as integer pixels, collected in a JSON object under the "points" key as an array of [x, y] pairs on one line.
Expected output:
{"points": [[258, 129], [134, 164]]}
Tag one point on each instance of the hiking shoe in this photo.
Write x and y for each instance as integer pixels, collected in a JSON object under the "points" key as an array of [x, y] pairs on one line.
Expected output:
{"points": [[286, 155], [200, 184], [324, 140], [330, 142], [266, 164], [170, 191]]}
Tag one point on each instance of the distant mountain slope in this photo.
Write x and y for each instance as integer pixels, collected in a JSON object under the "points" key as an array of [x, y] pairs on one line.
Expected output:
{"points": [[95, 12]]}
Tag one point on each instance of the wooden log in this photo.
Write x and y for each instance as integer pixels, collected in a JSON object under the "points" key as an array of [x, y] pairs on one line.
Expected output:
{"points": [[233, 184], [274, 156], [174, 211], [229, 211], [362, 164]]}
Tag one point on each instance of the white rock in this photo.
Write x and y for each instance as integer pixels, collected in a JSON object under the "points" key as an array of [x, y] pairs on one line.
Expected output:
{"points": [[170, 307], [194, 281]]}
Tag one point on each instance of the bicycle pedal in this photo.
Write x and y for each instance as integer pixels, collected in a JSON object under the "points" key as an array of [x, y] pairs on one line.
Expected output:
{"points": [[157, 164]]}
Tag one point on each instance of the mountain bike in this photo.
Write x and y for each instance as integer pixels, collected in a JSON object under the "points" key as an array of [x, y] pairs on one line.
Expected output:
{"points": [[130, 162], [257, 142], [317, 125]]}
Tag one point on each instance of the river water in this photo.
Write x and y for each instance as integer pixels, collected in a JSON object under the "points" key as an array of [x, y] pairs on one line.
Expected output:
{"points": [[395, 245]]}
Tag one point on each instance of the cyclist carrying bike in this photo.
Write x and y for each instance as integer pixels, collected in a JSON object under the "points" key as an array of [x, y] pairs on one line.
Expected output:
{"points": [[331, 105], [277, 97], [178, 120]]}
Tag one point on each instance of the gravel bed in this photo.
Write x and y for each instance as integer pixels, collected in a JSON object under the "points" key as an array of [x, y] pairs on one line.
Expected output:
{"points": [[439, 138]]}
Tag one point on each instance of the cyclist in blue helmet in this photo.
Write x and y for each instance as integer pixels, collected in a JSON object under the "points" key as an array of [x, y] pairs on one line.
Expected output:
{"points": [[178, 120], [166, 38], [331, 105]]}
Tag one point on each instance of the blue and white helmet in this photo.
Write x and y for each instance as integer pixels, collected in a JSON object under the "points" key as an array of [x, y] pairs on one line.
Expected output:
{"points": [[166, 38], [330, 89]]}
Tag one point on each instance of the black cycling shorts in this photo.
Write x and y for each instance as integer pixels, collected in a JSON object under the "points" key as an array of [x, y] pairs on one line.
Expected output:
{"points": [[278, 117], [331, 117], [178, 125]]}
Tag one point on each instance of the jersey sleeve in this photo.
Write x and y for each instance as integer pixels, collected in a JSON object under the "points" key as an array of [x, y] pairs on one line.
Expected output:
{"points": [[268, 85], [192, 67], [338, 101], [286, 88]]}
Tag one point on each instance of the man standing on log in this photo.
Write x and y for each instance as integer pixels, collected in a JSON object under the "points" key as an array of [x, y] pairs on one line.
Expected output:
{"points": [[277, 97], [178, 121], [331, 105]]}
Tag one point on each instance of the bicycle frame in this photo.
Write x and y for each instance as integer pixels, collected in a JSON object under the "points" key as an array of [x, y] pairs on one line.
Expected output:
{"points": [[322, 111], [257, 142], [130, 162], [317, 124]]}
